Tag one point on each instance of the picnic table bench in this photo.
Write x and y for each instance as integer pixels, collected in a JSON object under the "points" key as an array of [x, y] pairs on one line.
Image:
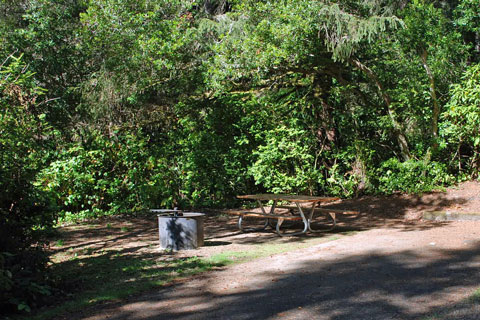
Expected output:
{"points": [[294, 211]]}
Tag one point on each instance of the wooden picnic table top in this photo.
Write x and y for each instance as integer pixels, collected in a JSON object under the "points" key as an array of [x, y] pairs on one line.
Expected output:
{"points": [[287, 197]]}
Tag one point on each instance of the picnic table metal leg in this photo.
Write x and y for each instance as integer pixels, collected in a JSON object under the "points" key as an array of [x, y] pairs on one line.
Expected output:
{"points": [[267, 221], [285, 234], [240, 220], [332, 216], [305, 225], [260, 205], [272, 211]]}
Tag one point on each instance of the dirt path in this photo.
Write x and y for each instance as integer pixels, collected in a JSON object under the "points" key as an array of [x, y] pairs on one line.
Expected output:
{"points": [[382, 264], [384, 273]]}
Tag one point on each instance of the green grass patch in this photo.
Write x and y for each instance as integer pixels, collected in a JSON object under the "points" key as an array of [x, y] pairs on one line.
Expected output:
{"points": [[475, 297], [111, 276], [448, 312], [264, 250]]}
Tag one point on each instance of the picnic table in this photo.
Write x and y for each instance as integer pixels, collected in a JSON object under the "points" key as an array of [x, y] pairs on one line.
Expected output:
{"points": [[300, 208]]}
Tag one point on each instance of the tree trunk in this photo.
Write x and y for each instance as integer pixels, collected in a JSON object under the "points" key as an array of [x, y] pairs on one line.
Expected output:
{"points": [[433, 94], [326, 133], [397, 129]]}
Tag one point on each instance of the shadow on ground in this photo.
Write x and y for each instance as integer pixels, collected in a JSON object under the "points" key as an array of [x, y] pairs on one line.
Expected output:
{"points": [[114, 248], [396, 211], [403, 285], [375, 212], [106, 234]]}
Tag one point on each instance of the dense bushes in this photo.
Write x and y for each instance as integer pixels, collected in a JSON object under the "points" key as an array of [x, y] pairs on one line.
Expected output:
{"points": [[24, 210], [202, 161], [110, 175], [461, 122], [411, 176], [287, 162]]}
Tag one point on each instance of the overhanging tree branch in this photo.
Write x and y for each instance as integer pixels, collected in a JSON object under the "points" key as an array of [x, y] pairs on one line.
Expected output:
{"points": [[397, 129]]}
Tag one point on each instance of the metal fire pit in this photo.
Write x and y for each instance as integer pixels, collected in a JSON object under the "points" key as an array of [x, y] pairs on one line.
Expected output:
{"points": [[179, 230]]}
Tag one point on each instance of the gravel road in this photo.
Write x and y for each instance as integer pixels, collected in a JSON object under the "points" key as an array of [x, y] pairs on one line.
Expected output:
{"points": [[395, 272]]}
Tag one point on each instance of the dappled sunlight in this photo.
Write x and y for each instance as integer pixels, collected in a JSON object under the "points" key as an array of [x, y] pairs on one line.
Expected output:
{"points": [[310, 275], [403, 285]]}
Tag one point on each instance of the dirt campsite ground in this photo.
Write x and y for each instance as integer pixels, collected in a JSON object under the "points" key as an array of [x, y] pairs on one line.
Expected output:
{"points": [[385, 263]]}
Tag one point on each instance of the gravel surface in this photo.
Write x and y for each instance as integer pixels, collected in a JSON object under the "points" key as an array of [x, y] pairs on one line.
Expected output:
{"points": [[383, 273], [394, 266]]}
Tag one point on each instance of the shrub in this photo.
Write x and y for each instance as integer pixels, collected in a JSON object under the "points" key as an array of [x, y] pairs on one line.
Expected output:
{"points": [[24, 210], [411, 176], [286, 162], [460, 127], [107, 176]]}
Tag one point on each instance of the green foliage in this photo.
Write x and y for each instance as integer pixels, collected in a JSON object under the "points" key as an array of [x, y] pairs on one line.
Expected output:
{"points": [[22, 280], [24, 211], [286, 162], [345, 28], [468, 16], [180, 103], [144, 53], [47, 34], [267, 39], [462, 120], [428, 32], [200, 162], [108, 176], [411, 176], [342, 182], [212, 150]]}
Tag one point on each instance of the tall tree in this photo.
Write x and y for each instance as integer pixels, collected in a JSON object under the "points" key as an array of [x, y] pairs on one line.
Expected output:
{"points": [[432, 37], [267, 43]]}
